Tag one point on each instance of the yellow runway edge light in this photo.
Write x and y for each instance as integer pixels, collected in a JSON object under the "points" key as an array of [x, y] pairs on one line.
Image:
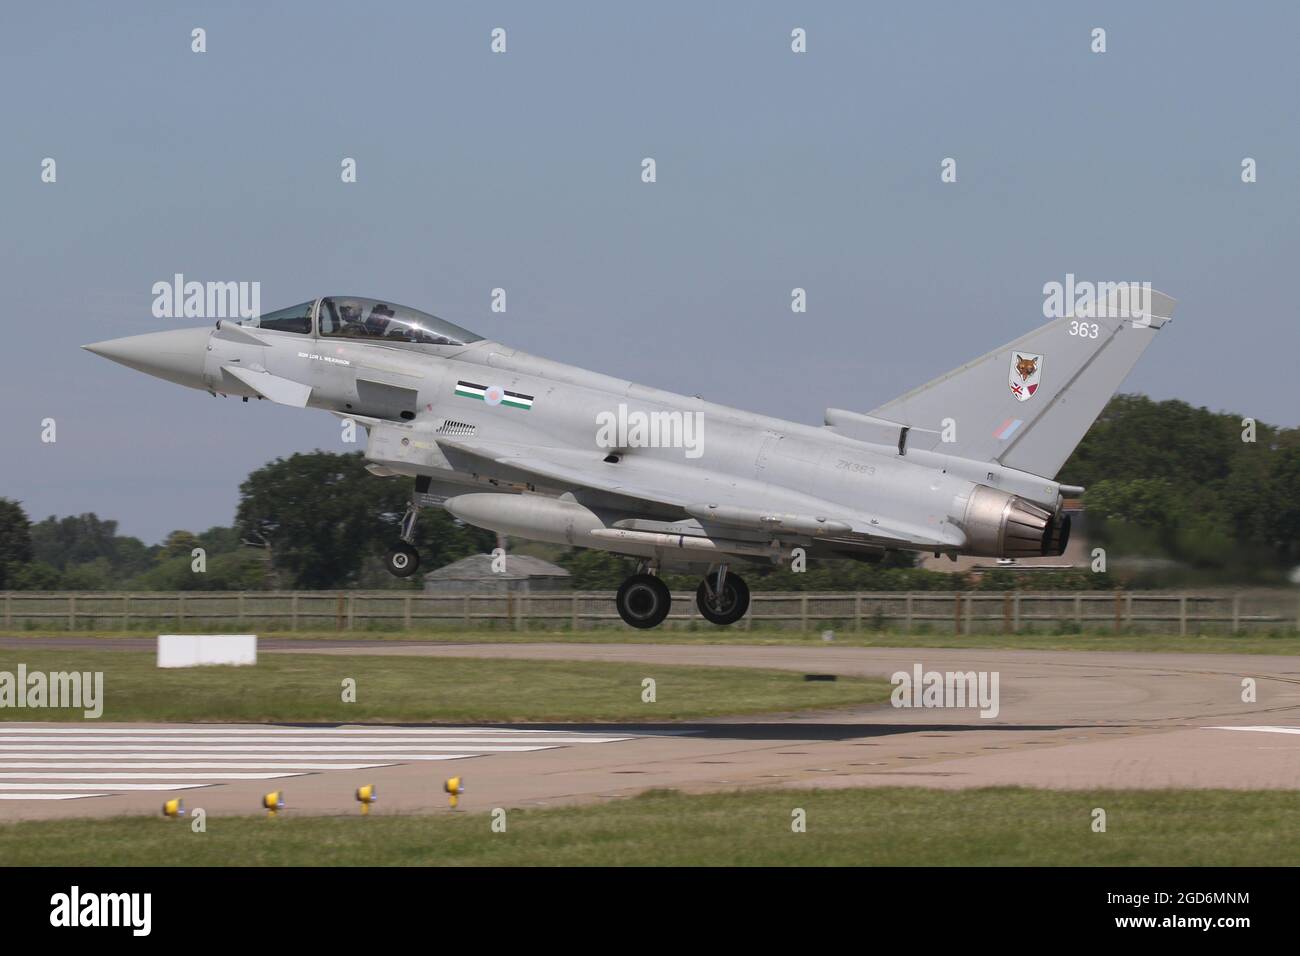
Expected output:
{"points": [[366, 795], [453, 788]]}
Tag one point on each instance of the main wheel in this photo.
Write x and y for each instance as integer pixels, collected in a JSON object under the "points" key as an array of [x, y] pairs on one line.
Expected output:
{"points": [[643, 601], [725, 608], [402, 561]]}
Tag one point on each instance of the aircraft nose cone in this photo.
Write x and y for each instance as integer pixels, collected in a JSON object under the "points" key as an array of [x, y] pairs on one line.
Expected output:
{"points": [[176, 355]]}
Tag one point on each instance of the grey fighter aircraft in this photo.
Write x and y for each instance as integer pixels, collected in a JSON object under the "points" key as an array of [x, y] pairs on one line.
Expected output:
{"points": [[527, 446]]}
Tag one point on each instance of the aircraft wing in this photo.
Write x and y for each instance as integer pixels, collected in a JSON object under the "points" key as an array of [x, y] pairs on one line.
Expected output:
{"points": [[683, 490]]}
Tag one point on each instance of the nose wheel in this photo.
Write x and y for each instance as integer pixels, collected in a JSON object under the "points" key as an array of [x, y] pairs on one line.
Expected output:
{"points": [[643, 601], [722, 598], [403, 560]]}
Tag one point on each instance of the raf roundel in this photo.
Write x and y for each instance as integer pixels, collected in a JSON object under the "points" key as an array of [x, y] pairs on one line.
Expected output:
{"points": [[494, 395]]}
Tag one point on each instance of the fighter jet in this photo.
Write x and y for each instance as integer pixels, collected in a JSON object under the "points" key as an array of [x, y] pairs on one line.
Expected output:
{"points": [[535, 448]]}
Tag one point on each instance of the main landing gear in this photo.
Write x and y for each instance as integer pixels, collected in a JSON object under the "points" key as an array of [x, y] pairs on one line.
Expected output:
{"points": [[721, 597], [643, 600], [404, 560]]}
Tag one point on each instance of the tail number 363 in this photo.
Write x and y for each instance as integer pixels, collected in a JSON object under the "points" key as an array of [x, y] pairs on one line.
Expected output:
{"points": [[1085, 330]]}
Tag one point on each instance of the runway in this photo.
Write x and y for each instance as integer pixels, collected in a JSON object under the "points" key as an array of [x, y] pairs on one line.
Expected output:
{"points": [[128, 764], [1081, 720]]}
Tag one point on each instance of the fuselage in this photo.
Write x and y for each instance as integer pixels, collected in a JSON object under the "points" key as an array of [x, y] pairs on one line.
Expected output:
{"points": [[421, 401], [777, 463]]}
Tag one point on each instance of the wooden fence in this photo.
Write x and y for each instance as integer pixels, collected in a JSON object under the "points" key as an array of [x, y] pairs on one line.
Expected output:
{"points": [[1156, 612]]}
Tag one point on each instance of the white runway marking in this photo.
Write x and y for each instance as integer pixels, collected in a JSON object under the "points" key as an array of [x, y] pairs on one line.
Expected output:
{"points": [[146, 776], [49, 796], [163, 757], [152, 785], [1262, 730], [290, 731], [459, 742], [216, 765], [11, 750], [446, 743], [265, 755]]}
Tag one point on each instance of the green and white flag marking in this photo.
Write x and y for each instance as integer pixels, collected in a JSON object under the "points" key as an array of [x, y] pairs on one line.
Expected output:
{"points": [[494, 395]]}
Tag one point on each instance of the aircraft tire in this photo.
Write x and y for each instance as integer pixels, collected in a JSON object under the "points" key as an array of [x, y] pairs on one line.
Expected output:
{"points": [[643, 601], [735, 601], [402, 561]]}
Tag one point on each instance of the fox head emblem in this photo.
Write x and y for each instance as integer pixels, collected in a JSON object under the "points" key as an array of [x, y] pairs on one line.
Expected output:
{"points": [[1026, 367]]}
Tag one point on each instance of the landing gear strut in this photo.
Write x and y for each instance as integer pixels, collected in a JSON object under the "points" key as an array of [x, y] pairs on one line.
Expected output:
{"points": [[721, 597], [643, 600], [404, 560]]}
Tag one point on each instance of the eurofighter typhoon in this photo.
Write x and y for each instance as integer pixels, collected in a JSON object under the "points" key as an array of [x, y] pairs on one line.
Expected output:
{"points": [[532, 447]]}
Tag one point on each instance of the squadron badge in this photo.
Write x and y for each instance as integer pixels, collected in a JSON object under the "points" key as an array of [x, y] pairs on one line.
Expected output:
{"points": [[1023, 378]]}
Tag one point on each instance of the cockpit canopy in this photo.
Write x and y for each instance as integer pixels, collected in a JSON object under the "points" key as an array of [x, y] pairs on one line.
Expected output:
{"points": [[354, 317]]}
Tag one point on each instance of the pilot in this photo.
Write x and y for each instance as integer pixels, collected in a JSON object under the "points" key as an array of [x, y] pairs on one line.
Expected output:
{"points": [[377, 324], [350, 320]]}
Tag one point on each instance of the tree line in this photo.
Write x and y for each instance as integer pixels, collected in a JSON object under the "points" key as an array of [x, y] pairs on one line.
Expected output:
{"points": [[314, 520]]}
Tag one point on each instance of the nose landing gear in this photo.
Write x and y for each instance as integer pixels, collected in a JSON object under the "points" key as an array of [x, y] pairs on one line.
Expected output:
{"points": [[404, 560]]}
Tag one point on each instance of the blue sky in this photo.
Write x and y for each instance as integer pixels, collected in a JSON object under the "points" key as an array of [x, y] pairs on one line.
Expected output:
{"points": [[522, 170]]}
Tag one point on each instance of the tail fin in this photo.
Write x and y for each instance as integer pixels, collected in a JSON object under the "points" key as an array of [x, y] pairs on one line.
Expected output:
{"points": [[1027, 404]]}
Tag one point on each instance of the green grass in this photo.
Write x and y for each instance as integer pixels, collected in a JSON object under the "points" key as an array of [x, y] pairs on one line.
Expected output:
{"points": [[1105, 640], [890, 826], [308, 687]]}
